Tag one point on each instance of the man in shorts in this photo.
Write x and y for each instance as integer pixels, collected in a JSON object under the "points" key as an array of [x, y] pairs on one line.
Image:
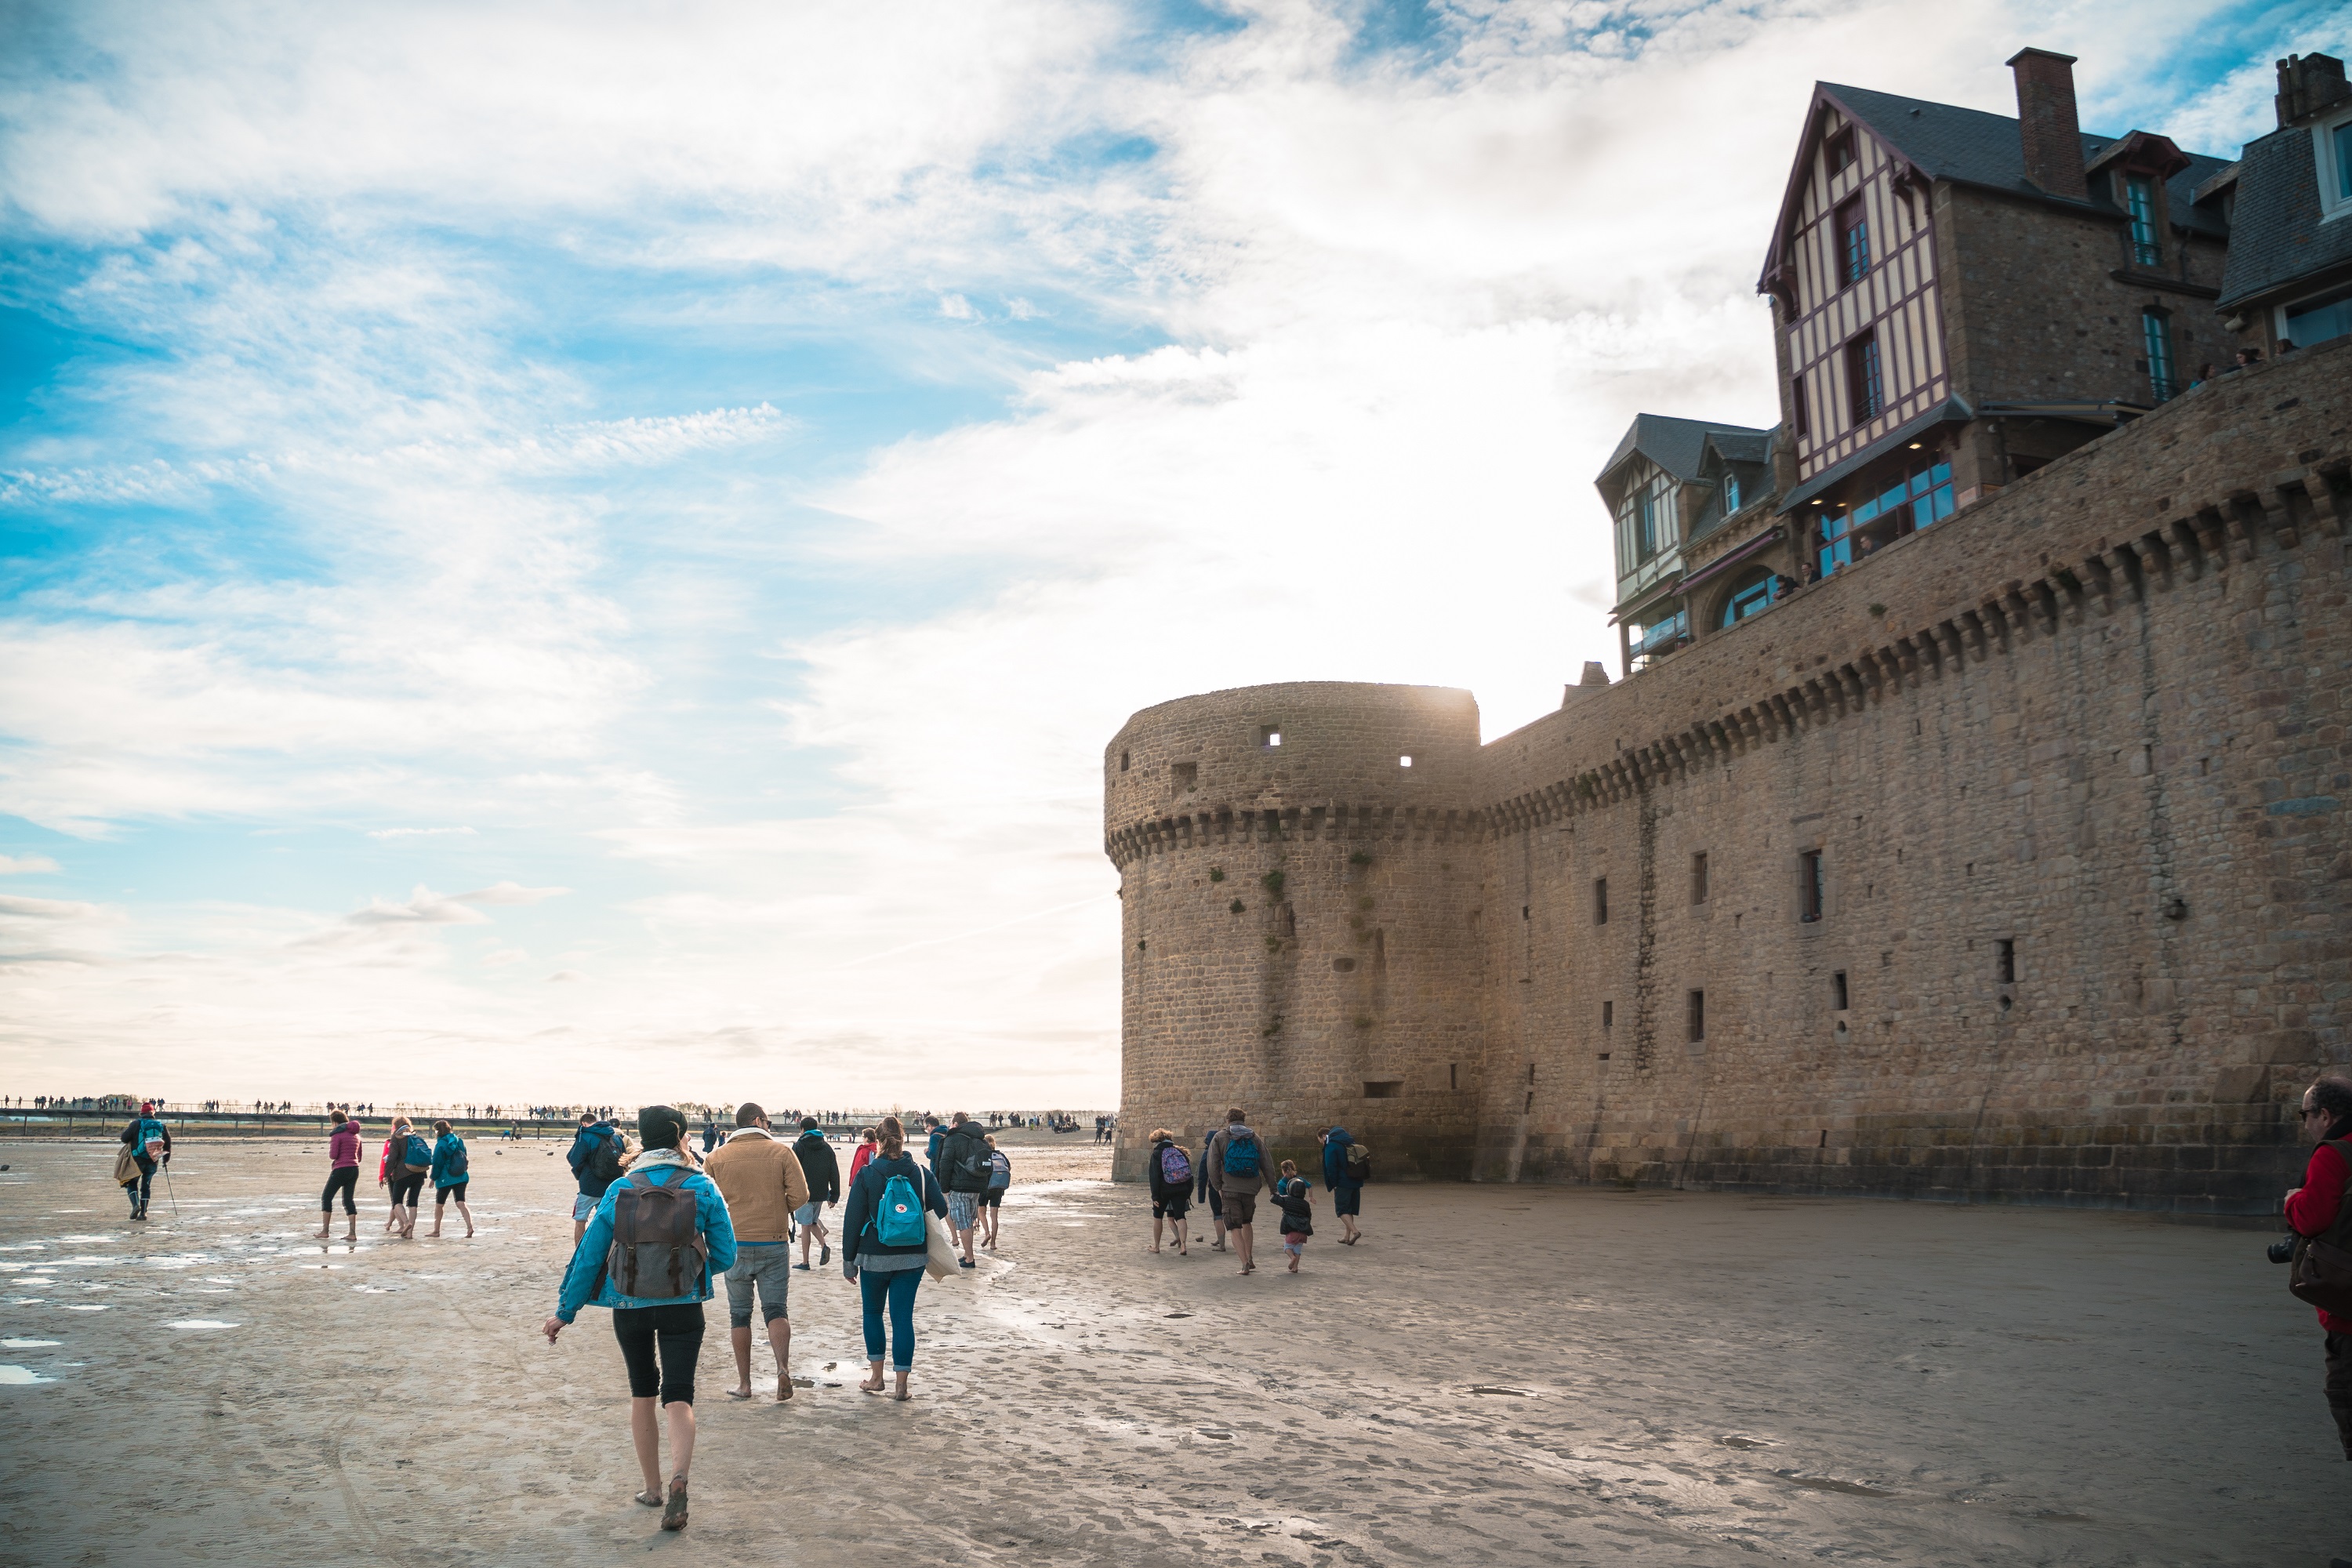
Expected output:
{"points": [[760, 1178], [587, 1146], [1240, 1167], [963, 1168], [824, 1175]]}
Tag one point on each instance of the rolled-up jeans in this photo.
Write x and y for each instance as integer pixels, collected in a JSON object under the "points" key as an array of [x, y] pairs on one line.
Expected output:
{"points": [[898, 1287]]}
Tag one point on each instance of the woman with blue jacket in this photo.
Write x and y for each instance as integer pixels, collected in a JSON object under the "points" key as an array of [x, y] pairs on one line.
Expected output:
{"points": [[887, 1272], [451, 1172], [671, 1324]]}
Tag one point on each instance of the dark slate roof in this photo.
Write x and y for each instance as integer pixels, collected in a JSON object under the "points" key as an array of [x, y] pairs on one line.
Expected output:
{"points": [[1735, 445], [1674, 445], [1979, 149], [2275, 234]]}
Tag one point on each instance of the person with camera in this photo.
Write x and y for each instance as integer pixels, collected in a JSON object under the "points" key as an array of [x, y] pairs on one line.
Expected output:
{"points": [[2320, 1218]]}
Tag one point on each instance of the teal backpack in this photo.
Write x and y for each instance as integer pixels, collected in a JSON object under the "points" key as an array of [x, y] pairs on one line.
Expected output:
{"points": [[900, 1222]]}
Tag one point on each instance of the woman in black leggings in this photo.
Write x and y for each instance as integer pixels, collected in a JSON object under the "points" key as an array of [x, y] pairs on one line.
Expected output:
{"points": [[342, 1177], [655, 1281]]}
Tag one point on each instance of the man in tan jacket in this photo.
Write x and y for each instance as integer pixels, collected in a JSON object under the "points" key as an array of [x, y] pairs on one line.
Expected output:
{"points": [[762, 1181]]}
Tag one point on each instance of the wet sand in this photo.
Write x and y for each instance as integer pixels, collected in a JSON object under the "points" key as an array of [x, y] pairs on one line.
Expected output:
{"points": [[1497, 1376]]}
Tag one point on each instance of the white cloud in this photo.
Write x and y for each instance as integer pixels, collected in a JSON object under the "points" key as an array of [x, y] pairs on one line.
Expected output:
{"points": [[509, 893], [27, 866], [423, 907], [815, 733]]}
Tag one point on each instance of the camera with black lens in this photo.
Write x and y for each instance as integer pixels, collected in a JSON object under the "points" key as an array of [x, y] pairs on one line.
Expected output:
{"points": [[2280, 1250]]}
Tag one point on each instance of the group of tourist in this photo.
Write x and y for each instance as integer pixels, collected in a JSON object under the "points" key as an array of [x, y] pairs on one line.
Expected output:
{"points": [[655, 1225], [1230, 1173]]}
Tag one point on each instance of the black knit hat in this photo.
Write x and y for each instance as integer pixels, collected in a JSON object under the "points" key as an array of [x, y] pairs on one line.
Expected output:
{"points": [[661, 1127]]}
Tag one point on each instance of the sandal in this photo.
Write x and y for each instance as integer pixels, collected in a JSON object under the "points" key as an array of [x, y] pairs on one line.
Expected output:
{"points": [[674, 1511], [738, 1394], [650, 1499]]}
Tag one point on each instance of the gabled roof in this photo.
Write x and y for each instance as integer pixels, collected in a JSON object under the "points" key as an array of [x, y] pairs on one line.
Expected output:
{"points": [[2277, 237], [1970, 147], [1946, 142], [1677, 445], [1734, 444]]}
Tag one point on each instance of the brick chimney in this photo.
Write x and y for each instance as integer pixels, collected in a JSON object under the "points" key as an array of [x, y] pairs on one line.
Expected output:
{"points": [[2046, 127], [2308, 84]]}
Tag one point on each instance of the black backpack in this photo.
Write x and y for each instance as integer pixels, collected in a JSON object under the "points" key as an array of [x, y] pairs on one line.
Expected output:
{"points": [[658, 1252], [603, 1161], [454, 1167]]}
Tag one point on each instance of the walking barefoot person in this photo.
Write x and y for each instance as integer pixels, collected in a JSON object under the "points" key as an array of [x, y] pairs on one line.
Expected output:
{"points": [[885, 1245], [450, 1167], [407, 1161], [1296, 1198], [1345, 1165], [342, 1177], [651, 1245], [991, 1201], [1237, 1164], [759, 1177], [1205, 1187], [1170, 1171]]}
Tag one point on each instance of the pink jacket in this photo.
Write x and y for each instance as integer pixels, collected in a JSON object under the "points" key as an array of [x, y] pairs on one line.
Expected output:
{"points": [[344, 1145]]}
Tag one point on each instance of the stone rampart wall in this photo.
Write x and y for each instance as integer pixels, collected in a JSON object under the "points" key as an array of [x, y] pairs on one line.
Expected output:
{"points": [[2099, 716]]}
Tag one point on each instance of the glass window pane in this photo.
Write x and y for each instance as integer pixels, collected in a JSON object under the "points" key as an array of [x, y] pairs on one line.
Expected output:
{"points": [[2343, 161], [1943, 473], [1943, 500]]}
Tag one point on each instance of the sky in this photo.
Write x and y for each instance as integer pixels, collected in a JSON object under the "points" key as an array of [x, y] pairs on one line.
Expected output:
{"points": [[574, 554]]}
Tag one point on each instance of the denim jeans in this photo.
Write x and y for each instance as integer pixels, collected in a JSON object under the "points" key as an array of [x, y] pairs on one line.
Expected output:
{"points": [[899, 1288]]}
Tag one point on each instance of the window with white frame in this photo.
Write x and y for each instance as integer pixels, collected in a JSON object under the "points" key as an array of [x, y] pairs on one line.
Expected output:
{"points": [[1645, 518], [2333, 154]]}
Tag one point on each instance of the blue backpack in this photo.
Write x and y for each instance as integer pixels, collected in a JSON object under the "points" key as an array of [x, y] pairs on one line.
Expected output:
{"points": [[1241, 1154], [900, 1221], [453, 1168], [419, 1154]]}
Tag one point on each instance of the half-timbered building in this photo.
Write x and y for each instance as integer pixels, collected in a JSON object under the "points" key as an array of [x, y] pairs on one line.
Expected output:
{"points": [[1959, 297]]}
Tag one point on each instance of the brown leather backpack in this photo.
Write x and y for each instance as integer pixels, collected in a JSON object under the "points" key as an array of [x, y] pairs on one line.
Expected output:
{"points": [[658, 1252], [2322, 1274]]}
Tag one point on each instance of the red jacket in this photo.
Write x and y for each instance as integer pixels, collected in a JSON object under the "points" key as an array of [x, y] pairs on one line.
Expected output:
{"points": [[344, 1145], [2312, 1208]]}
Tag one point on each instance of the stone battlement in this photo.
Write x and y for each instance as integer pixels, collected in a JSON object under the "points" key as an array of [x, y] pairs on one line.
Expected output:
{"points": [[2009, 862]]}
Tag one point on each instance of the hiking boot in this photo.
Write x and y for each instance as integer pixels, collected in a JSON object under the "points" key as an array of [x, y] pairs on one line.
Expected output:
{"points": [[824, 1253]]}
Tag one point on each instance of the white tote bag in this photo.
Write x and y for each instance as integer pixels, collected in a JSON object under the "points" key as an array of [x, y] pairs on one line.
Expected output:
{"points": [[941, 1258]]}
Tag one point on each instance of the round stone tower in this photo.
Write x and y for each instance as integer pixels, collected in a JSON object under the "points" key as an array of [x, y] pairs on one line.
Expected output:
{"points": [[1299, 874]]}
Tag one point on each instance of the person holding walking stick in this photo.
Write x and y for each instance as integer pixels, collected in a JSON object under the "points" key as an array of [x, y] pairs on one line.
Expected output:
{"points": [[151, 1148]]}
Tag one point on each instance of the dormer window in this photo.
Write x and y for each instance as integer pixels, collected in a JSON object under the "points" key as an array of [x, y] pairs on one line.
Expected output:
{"points": [[1730, 494], [1854, 242], [2139, 197]]}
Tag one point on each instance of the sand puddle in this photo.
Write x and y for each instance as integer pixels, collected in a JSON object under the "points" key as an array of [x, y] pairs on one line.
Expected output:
{"points": [[28, 1345], [202, 1323], [18, 1376]]}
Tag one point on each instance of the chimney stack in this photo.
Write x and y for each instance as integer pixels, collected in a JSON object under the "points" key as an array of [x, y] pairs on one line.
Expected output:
{"points": [[2050, 136], [2308, 84]]}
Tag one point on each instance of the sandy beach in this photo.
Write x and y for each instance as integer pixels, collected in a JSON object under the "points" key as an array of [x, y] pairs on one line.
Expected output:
{"points": [[1503, 1375]]}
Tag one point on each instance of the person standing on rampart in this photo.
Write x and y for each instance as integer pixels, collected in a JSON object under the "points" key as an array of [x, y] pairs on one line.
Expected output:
{"points": [[1240, 1168]]}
